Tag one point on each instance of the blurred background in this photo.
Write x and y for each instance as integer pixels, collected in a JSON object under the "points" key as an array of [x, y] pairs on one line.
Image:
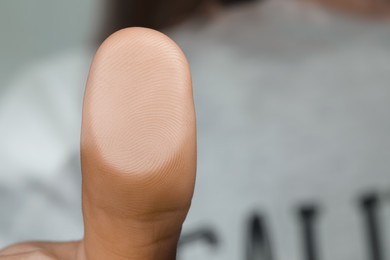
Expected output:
{"points": [[292, 100]]}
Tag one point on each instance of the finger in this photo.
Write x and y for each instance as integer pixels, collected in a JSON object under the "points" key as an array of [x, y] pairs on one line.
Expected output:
{"points": [[138, 147]]}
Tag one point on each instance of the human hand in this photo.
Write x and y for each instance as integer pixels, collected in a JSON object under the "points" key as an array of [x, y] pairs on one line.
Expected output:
{"points": [[138, 153]]}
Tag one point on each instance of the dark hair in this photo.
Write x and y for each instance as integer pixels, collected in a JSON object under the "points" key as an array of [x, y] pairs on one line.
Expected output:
{"points": [[155, 14]]}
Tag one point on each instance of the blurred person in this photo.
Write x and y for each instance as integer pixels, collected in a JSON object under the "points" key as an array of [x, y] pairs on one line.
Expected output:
{"points": [[292, 104]]}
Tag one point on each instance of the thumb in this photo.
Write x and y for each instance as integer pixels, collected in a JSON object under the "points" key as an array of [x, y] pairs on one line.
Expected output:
{"points": [[138, 147]]}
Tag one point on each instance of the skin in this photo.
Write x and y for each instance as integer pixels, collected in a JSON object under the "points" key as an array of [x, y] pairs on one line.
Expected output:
{"points": [[138, 153]]}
